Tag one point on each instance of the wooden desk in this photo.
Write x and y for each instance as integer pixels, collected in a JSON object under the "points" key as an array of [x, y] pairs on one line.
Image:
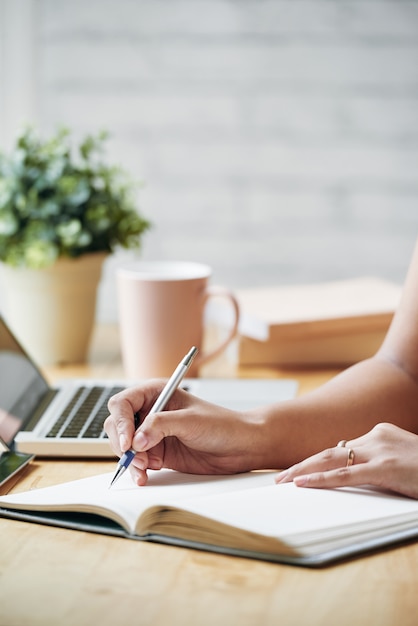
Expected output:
{"points": [[57, 577]]}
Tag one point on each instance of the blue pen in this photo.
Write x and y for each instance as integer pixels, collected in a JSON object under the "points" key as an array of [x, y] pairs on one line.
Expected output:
{"points": [[159, 405]]}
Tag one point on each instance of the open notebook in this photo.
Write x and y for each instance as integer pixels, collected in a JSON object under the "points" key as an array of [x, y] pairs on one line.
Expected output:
{"points": [[243, 515], [68, 420]]}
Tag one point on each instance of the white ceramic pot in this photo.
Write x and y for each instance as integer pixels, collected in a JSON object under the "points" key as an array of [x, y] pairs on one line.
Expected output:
{"points": [[52, 311]]}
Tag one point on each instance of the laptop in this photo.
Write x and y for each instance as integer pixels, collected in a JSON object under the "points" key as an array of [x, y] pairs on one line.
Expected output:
{"points": [[67, 421]]}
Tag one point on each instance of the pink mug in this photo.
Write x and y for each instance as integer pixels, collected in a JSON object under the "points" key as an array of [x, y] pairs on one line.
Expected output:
{"points": [[161, 316]]}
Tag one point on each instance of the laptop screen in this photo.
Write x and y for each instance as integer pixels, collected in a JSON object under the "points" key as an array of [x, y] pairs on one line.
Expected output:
{"points": [[22, 387]]}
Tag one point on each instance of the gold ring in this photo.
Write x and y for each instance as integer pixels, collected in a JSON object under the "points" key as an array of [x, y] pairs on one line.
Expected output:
{"points": [[341, 444], [350, 458]]}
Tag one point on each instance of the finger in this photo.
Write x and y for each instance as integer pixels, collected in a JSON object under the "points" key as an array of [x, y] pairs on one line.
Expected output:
{"points": [[141, 461], [328, 459], [352, 476], [140, 464], [110, 430], [148, 460], [139, 476], [156, 427], [122, 409]]}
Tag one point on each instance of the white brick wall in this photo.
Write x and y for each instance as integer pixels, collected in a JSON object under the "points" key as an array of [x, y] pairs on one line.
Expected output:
{"points": [[277, 139]]}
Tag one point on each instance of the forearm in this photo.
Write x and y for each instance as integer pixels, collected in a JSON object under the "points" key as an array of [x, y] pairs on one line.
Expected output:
{"points": [[373, 391]]}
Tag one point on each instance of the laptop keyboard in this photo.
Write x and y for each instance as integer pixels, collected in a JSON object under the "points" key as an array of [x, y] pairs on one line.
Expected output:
{"points": [[84, 415]]}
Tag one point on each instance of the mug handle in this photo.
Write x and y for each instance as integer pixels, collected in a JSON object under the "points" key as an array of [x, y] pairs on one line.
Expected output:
{"points": [[221, 292]]}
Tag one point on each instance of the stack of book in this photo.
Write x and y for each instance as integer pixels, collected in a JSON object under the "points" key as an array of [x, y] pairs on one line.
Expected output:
{"points": [[335, 323]]}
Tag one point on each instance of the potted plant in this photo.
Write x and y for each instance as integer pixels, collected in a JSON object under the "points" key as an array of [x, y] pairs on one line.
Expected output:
{"points": [[63, 210]]}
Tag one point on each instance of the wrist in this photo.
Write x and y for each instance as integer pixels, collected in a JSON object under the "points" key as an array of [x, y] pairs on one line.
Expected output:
{"points": [[264, 438]]}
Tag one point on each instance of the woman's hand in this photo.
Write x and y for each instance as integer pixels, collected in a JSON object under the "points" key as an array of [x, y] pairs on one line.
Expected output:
{"points": [[190, 435], [386, 457]]}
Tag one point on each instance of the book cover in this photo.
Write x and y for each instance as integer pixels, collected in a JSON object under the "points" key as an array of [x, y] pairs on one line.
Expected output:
{"points": [[335, 323]]}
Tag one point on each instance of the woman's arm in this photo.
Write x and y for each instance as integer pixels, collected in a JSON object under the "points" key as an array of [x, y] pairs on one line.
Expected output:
{"points": [[383, 388], [195, 436]]}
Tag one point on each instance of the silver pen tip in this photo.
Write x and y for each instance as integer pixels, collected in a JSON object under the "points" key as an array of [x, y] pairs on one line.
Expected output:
{"points": [[190, 356]]}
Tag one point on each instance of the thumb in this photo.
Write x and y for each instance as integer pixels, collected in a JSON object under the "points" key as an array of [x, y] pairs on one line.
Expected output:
{"points": [[155, 428]]}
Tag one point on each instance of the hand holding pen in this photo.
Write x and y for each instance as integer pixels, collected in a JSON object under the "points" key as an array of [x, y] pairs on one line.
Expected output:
{"points": [[170, 387]]}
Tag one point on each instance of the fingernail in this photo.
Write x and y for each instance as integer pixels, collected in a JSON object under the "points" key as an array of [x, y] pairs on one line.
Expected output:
{"points": [[300, 481], [140, 441], [123, 442], [282, 476], [139, 476]]}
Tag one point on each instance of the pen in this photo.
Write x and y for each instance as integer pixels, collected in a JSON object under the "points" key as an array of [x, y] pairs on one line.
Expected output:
{"points": [[170, 387]]}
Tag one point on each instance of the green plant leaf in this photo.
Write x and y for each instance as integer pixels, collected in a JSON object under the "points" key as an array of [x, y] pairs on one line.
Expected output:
{"points": [[59, 200]]}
